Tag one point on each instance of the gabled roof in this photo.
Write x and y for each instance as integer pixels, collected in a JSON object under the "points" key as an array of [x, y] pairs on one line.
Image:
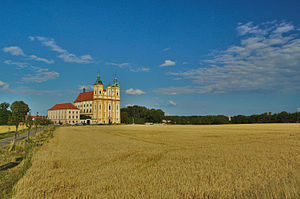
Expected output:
{"points": [[63, 106], [86, 96]]}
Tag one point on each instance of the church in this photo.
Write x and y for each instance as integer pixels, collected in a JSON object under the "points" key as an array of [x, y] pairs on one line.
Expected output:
{"points": [[102, 105]]}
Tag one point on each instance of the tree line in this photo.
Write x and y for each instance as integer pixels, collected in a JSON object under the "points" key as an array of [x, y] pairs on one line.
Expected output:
{"points": [[140, 115], [283, 117], [16, 116]]}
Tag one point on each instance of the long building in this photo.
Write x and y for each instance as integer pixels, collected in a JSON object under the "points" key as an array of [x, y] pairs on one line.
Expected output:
{"points": [[65, 113], [102, 105]]}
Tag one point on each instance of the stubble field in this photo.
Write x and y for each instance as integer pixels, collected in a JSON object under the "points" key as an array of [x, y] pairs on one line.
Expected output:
{"points": [[5, 128], [225, 161]]}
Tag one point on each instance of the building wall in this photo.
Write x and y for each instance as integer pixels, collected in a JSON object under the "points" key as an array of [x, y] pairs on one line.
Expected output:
{"points": [[64, 116], [106, 104], [85, 107]]}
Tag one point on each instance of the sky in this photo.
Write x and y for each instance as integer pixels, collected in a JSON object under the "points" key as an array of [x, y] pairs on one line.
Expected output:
{"points": [[184, 57]]}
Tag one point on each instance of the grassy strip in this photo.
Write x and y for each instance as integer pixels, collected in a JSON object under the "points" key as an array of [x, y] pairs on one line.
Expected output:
{"points": [[7, 135], [14, 164]]}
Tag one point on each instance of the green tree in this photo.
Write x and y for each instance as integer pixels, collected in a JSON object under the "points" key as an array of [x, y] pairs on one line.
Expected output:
{"points": [[124, 117], [4, 113], [37, 122], [19, 110], [29, 123]]}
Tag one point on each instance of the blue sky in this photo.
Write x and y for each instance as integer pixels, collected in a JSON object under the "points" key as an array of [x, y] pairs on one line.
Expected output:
{"points": [[185, 57]]}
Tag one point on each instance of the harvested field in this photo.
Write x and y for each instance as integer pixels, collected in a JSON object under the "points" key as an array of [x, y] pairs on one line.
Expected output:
{"points": [[225, 161], [5, 128]]}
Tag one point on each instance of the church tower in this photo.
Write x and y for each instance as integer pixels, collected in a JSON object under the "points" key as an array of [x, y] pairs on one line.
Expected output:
{"points": [[97, 105], [116, 104]]}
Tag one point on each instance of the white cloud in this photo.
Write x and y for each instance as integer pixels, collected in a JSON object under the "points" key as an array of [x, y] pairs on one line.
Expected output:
{"points": [[36, 58], [29, 91], [168, 63], [41, 76], [19, 64], [129, 105], [166, 49], [266, 60], [117, 64], [140, 69], [14, 50], [177, 90], [87, 87], [172, 103], [132, 91], [3, 85], [63, 54], [177, 78], [284, 27]]}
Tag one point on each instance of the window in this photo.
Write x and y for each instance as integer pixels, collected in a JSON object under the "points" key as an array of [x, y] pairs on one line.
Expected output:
{"points": [[109, 107], [117, 94], [69, 112]]}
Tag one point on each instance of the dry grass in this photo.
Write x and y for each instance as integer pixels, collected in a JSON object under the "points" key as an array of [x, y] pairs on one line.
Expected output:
{"points": [[226, 161], [5, 128]]}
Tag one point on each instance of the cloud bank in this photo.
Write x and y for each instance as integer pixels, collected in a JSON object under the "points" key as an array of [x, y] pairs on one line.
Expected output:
{"points": [[267, 59], [14, 50], [63, 54]]}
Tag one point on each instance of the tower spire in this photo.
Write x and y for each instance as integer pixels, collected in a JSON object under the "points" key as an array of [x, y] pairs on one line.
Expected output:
{"points": [[115, 81], [98, 81]]}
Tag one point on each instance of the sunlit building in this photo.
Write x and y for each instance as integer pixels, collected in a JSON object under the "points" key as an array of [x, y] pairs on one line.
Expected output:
{"points": [[65, 113], [102, 105]]}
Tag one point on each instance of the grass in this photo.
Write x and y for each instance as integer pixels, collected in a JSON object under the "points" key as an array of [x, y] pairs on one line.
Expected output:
{"points": [[14, 164], [6, 128], [225, 161]]}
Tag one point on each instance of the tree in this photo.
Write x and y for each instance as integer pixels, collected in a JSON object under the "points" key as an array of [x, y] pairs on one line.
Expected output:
{"points": [[29, 123], [124, 117], [4, 113], [37, 122], [19, 110]]}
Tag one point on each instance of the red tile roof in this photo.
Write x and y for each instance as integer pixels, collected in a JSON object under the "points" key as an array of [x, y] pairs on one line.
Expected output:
{"points": [[63, 106], [87, 96]]}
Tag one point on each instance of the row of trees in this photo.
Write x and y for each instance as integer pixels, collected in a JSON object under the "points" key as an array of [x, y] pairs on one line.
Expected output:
{"points": [[16, 116], [283, 117], [209, 119], [140, 115]]}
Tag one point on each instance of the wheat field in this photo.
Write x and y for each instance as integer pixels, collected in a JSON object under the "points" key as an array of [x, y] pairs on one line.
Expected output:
{"points": [[5, 128], [132, 161]]}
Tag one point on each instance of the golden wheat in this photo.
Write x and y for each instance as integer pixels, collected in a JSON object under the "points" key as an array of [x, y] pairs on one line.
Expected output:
{"points": [[225, 161], [6, 128]]}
